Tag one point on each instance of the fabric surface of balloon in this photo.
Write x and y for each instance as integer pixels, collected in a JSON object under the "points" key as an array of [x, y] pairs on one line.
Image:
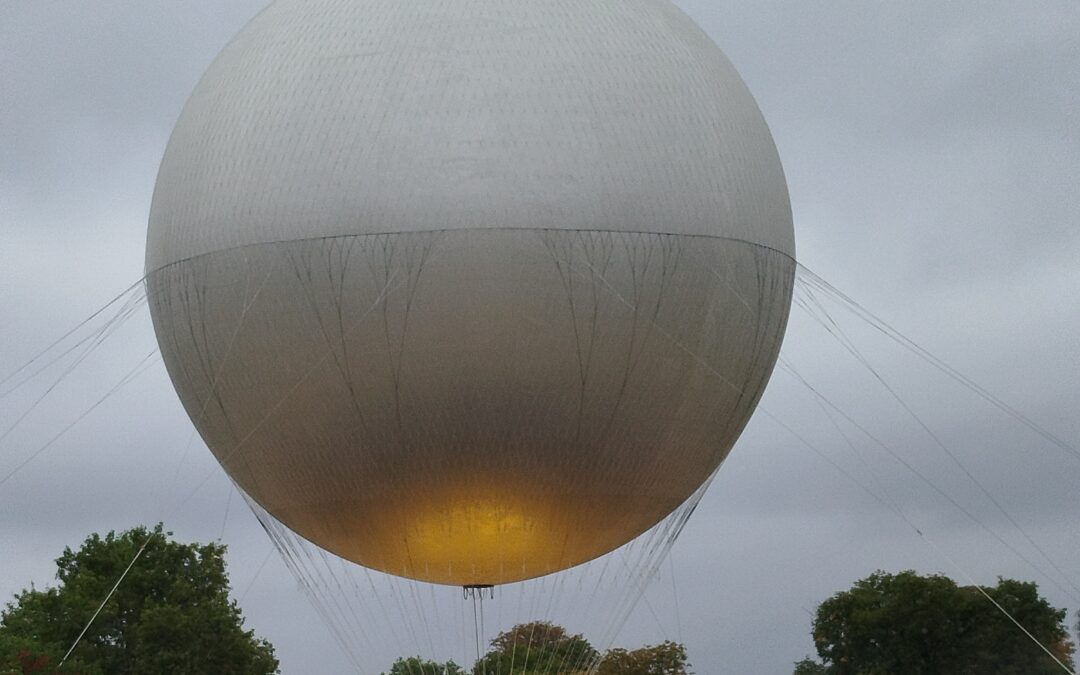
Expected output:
{"points": [[470, 291]]}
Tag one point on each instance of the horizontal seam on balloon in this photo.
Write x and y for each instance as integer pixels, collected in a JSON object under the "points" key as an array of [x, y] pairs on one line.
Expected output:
{"points": [[468, 229]]}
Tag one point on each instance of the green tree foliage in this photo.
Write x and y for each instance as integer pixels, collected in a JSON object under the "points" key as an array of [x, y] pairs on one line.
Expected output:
{"points": [[808, 666], [414, 665], [536, 648], [666, 658], [542, 648], [923, 625], [171, 615]]}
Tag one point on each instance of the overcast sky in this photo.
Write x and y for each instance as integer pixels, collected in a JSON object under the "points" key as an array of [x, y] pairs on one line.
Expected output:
{"points": [[933, 159]]}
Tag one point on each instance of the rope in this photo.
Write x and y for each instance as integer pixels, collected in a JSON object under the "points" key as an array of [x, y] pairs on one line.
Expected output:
{"points": [[139, 369], [476, 627], [810, 277], [59, 340], [106, 600], [854, 351], [95, 339]]}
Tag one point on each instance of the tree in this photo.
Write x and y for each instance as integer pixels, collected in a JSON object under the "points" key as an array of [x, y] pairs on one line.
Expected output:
{"points": [[171, 614], [808, 666], [542, 648], [927, 624], [414, 665], [537, 648], [666, 658]]}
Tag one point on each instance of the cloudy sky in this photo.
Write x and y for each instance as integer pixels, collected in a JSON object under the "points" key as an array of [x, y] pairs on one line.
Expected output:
{"points": [[933, 157]]}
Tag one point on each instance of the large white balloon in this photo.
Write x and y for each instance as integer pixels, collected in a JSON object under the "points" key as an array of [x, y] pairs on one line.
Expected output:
{"points": [[470, 291]]}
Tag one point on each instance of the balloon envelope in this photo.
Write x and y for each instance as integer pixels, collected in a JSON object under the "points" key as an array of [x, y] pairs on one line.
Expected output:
{"points": [[470, 291]]}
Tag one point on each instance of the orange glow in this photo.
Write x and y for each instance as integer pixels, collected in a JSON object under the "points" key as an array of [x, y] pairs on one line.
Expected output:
{"points": [[479, 534]]}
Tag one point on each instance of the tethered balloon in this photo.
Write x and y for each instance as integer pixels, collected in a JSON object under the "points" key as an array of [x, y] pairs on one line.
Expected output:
{"points": [[470, 291]]}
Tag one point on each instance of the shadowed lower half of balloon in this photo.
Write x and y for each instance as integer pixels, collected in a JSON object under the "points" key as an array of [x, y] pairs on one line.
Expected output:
{"points": [[473, 406]]}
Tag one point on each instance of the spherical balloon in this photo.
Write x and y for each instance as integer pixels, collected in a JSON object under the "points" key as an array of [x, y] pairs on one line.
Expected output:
{"points": [[470, 291]]}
